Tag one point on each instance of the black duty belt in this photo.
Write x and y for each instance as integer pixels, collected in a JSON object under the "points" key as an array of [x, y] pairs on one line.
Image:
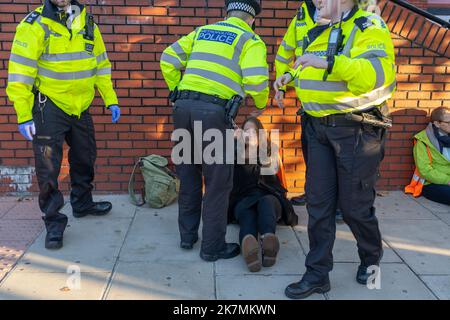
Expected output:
{"points": [[195, 95], [341, 120]]}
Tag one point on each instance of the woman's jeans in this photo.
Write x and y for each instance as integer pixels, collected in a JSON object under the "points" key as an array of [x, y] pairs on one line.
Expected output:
{"points": [[260, 218]]}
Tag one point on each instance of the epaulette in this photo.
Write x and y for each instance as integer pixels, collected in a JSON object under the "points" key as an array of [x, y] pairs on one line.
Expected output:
{"points": [[301, 14], [363, 23], [32, 17]]}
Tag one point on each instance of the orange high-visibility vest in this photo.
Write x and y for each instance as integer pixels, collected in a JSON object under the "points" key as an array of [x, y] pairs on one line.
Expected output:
{"points": [[415, 187], [281, 174]]}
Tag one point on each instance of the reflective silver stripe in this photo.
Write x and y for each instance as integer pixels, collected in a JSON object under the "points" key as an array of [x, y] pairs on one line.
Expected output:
{"points": [[66, 56], [372, 54], [376, 63], [211, 57], [258, 87], [284, 60], [67, 75], [102, 57], [299, 43], [172, 60], [286, 46], [104, 71], [240, 45], [23, 60], [317, 85], [217, 78], [297, 82], [14, 77], [45, 27], [256, 71], [179, 51], [349, 44], [374, 98]]}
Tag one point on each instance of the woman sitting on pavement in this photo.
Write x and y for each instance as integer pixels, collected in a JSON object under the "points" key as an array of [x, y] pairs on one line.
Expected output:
{"points": [[432, 156], [258, 201]]}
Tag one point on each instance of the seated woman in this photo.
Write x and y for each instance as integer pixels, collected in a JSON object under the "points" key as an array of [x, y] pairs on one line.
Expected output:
{"points": [[432, 156], [258, 202]]}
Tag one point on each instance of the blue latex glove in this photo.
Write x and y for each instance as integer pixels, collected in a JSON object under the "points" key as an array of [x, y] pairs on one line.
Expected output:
{"points": [[115, 109], [28, 130]]}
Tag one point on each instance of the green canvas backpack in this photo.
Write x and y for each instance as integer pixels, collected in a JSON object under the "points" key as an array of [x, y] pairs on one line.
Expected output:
{"points": [[161, 184]]}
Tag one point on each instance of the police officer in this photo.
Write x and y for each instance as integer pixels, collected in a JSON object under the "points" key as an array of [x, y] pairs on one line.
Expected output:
{"points": [[344, 154], [221, 61], [57, 60]]}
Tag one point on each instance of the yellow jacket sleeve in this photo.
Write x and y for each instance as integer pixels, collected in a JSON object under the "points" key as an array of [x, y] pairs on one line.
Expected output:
{"points": [[255, 71], [371, 62], [27, 47], [103, 80], [174, 58], [286, 52], [426, 169]]}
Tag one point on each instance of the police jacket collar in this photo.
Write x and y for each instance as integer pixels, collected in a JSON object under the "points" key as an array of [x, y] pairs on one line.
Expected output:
{"points": [[311, 9], [239, 23], [51, 11]]}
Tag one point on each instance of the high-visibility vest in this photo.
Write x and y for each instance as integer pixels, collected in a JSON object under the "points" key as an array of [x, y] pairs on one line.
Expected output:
{"points": [[291, 47], [64, 64], [363, 75], [415, 187], [281, 174], [222, 59]]}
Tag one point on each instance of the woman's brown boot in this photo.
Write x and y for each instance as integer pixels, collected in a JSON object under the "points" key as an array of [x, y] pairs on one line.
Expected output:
{"points": [[270, 248], [251, 253]]}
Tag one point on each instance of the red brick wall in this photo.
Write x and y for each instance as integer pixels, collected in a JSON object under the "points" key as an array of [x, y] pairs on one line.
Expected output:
{"points": [[136, 32]]}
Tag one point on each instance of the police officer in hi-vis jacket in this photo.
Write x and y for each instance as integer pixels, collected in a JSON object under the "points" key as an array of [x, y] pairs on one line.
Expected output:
{"points": [[221, 61]]}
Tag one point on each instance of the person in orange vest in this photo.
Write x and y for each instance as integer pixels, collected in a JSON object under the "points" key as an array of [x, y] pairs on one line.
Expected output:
{"points": [[432, 157]]}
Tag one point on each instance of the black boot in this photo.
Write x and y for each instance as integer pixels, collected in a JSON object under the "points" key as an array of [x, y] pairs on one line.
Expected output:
{"points": [[305, 288], [231, 250], [362, 276], [98, 209], [55, 229], [188, 245]]}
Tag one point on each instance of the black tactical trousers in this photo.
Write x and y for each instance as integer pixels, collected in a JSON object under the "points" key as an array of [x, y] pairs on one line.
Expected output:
{"points": [[212, 206], [53, 127], [343, 167]]}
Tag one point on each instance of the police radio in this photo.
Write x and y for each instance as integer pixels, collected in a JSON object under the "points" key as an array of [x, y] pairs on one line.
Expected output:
{"points": [[334, 45]]}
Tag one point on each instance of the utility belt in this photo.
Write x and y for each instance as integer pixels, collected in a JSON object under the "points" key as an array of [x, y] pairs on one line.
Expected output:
{"points": [[231, 106], [376, 117], [195, 95]]}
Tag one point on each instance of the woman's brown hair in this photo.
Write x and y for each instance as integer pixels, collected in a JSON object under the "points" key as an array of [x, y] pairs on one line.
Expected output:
{"points": [[261, 128]]}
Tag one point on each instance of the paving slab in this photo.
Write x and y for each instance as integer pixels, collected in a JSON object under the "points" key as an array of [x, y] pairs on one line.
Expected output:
{"points": [[423, 245], [433, 206], [93, 243], [5, 207], [55, 286], [256, 287], [440, 285], [162, 280], [17, 230], [24, 210], [291, 259], [397, 205], [397, 282], [345, 249]]}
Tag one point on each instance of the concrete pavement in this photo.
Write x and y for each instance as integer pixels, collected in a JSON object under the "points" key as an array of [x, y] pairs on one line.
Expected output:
{"points": [[133, 254]]}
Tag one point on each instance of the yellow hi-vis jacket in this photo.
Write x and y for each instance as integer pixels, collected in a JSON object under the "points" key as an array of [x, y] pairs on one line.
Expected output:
{"points": [[292, 45], [59, 62], [363, 75], [222, 59]]}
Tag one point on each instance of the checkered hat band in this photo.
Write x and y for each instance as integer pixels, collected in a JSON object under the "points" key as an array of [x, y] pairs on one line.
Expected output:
{"points": [[239, 6]]}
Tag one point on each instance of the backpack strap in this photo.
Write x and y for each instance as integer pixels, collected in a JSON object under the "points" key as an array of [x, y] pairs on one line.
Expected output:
{"points": [[131, 187]]}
